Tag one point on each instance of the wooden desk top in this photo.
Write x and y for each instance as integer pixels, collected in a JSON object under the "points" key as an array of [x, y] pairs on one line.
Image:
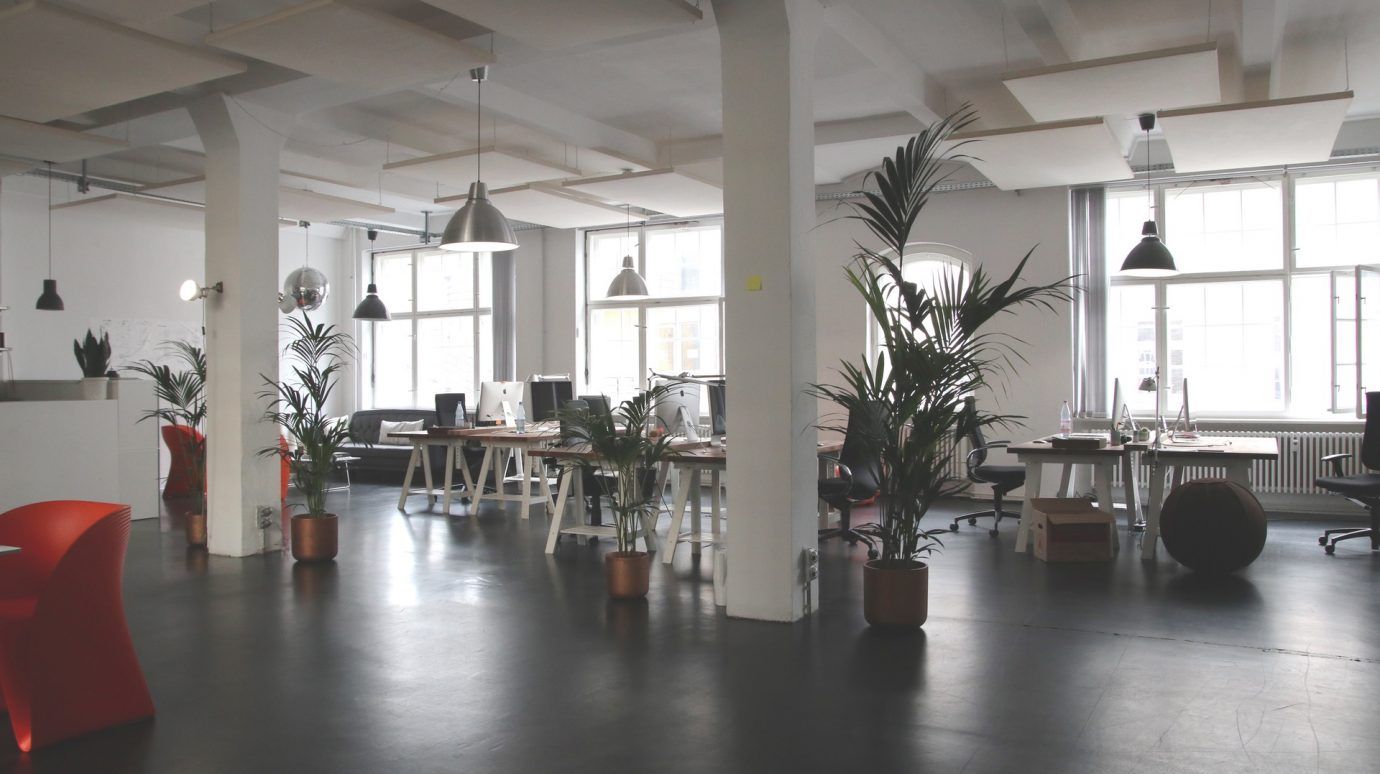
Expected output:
{"points": [[535, 433], [686, 452], [1206, 447]]}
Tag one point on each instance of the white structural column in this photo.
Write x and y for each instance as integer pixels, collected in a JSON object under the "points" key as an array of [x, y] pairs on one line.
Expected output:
{"points": [[241, 324], [768, 67]]}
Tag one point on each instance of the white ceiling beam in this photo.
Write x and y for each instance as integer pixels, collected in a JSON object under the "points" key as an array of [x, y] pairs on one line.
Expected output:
{"points": [[917, 92], [1049, 25], [1262, 39], [826, 133], [545, 117]]}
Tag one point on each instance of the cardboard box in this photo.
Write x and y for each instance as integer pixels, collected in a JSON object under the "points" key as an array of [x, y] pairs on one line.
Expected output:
{"points": [[1072, 530]]}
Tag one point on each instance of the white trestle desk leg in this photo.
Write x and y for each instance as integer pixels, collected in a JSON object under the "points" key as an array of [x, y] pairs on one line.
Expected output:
{"points": [[1032, 490], [1130, 479], [557, 519], [1102, 484], [1152, 521], [525, 486], [581, 515], [483, 475], [715, 509], [426, 476], [448, 478], [465, 472], [407, 478], [1065, 479], [545, 487], [677, 518]]}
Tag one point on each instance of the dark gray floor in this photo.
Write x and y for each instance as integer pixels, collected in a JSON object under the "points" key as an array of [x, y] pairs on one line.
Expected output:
{"points": [[438, 645]]}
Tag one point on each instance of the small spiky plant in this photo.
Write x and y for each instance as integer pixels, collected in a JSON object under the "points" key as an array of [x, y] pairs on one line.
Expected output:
{"points": [[93, 354]]}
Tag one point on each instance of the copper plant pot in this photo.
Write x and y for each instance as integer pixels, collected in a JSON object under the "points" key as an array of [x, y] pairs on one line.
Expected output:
{"points": [[627, 573], [896, 594], [196, 530], [315, 538]]}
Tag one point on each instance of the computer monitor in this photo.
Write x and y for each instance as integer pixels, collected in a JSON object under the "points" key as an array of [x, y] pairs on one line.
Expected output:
{"points": [[548, 395], [492, 398], [717, 419], [678, 410], [1117, 413], [1184, 422]]}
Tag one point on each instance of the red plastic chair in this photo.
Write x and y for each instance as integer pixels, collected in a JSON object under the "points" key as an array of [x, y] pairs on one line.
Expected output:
{"points": [[67, 665], [182, 442]]}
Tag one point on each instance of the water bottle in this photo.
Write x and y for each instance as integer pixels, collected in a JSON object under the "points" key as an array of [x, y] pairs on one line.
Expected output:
{"points": [[521, 418], [1065, 421], [459, 415]]}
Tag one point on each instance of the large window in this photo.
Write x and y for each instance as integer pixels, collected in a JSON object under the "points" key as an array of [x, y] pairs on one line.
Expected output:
{"points": [[1260, 318], [930, 266], [441, 336], [677, 328]]}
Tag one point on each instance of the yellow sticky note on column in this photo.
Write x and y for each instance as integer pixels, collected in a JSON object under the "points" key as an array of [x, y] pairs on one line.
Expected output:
{"points": [[754, 282]]}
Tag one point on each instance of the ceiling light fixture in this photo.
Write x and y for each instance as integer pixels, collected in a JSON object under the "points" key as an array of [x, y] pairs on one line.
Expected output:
{"points": [[49, 300], [478, 227], [1149, 258], [306, 288], [627, 283], [371, 308]]}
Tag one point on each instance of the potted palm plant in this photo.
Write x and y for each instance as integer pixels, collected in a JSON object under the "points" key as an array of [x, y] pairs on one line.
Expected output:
{"points": [[936, 351], [182, 403], [626, 454], [93, 357], [316, 355]]}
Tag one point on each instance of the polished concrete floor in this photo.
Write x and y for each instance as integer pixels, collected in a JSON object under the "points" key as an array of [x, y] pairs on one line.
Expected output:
{"points": [[456, 645]]}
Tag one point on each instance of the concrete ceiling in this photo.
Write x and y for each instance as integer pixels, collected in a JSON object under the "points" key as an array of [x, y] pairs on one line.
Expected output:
{"points": [[642, 91]]}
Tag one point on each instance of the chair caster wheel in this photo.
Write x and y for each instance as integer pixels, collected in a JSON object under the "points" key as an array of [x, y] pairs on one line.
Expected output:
{"points": [[1322, 541], [972, 520], [992, 533], [1329, 550], [953, 527]]}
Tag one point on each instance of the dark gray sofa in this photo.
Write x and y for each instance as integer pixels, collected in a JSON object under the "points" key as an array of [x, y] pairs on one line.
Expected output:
{"points": [[386, 458]]}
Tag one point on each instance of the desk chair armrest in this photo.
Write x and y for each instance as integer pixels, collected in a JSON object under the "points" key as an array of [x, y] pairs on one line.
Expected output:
{"points": [[844, 471], [978, 449], [1335, 460]]}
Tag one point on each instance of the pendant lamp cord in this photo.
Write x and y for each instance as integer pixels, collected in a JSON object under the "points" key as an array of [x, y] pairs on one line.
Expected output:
{"points": [[479, 132], [50, 220]]}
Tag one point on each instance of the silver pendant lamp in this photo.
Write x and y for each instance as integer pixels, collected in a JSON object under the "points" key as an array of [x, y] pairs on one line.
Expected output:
{"points": [[371, 308], [627, 283], [478, 227], [1149, 258], [50, 301]]}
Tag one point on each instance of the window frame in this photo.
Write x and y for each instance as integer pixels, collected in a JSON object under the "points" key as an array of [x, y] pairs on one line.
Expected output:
{"points": [[1287, 272], [476, 312], [950, 254], [643, 305]]}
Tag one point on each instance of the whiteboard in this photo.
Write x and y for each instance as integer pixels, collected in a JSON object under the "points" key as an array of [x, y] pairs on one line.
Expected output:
{"points": [[135, 340]]}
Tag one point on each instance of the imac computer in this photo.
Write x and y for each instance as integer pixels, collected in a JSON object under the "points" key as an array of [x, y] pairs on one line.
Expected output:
{"points": [[1183, 424], [497, 401], [679, 410], [717, 418], [549, 394]]}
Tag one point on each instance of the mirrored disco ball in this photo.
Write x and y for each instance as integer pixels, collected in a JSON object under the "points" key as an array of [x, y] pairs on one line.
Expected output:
{"points": [[307, 287]]}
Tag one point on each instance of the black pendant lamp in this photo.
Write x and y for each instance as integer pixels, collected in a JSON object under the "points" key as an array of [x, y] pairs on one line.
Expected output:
{"points": [[50, 301], [1149, 258], [371, 308]]}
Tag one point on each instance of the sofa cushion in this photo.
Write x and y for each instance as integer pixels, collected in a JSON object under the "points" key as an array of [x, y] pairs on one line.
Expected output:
{"points": [[364, 425]]}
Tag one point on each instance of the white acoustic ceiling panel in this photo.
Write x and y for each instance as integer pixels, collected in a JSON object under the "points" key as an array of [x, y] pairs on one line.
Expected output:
{"points": [[500, 168], [136, 10], [1296, 130], [14, 167], [132, 206], [1058, 153], [41, 142], [838, 161], [350, 44], [557, 24], [545, 207], [1120, 85], [664, 190], [293, 203], [62, 63]]}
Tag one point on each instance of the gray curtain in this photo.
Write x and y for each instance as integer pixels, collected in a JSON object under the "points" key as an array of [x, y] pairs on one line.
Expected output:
{"points": [[1088, 207], [505, 315]]}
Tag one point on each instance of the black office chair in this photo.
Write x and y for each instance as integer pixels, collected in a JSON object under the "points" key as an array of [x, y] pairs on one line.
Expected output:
{"points": [[1363, 488], [446, 403], [1003, 478], [859, 478]]}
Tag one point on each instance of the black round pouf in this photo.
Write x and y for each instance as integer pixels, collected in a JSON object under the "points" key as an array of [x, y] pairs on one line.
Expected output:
{"points": [[1212, 525]]}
